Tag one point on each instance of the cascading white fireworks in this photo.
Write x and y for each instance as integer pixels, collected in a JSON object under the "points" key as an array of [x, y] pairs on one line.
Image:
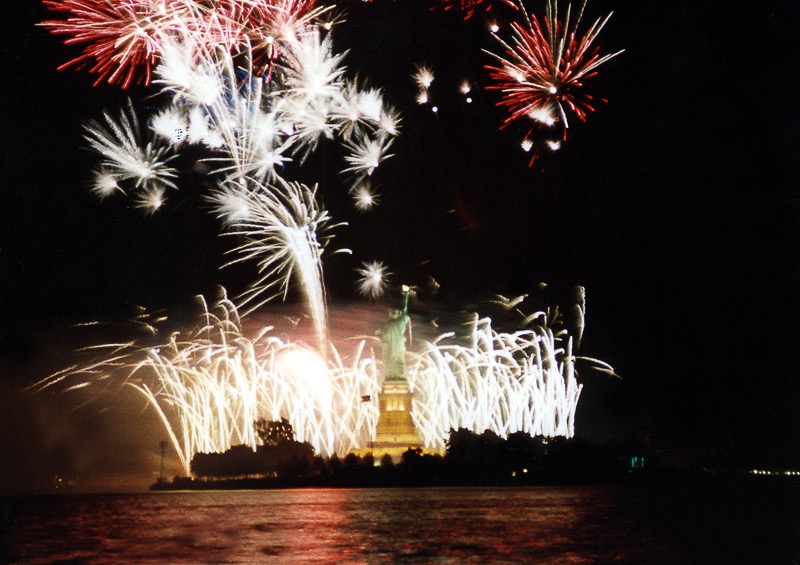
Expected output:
{"points": [[259, 123], [504, 382], [283, 230], [208, 387]]}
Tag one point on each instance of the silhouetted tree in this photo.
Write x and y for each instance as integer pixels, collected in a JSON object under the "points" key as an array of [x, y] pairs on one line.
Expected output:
{"points": [[351, 462], [273, 432], [368, 460], [417, 468], [320, 467], [463, 454], [335, 465], [387, 462], [410, 456]]}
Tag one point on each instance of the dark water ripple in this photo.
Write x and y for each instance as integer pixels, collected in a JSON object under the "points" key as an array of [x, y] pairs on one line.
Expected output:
{"points": [[597, 524]]}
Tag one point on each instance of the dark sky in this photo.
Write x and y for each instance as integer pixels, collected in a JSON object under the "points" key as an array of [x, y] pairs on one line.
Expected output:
{"points": [[675, 205]]}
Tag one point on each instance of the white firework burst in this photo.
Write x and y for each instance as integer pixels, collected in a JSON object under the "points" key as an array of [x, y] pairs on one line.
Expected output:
{"points": [[231, 203], [126, 154], [348, 113], [151, 199], [170, 125], [370, 104], [366, 154], [543, 115], [423, 77], [187, 76], [374, 279], [104, 183], [314, 71], [390, 122], [364, 196]]}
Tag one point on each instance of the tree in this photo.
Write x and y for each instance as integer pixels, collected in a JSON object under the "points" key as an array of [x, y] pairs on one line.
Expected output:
{"points": [[368, 460], [273, 432], [387, 462]]}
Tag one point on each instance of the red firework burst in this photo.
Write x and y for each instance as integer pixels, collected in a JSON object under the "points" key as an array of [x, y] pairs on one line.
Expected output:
{"points": [[280, 22], [543, 71], [260, 24], [121, 39]]}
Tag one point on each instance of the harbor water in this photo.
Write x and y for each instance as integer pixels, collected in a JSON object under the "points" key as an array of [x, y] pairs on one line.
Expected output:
{"points": [[650, 523]]}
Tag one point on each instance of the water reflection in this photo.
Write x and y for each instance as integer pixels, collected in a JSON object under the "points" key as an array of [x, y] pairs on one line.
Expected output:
{"points": [[436, 525]]}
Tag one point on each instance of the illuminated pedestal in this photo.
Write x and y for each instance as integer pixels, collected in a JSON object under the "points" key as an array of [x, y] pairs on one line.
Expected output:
{"points": [[395, 432]]}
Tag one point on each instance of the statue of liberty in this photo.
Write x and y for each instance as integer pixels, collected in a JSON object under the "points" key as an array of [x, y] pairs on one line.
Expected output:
{"points": [[393, 341]]}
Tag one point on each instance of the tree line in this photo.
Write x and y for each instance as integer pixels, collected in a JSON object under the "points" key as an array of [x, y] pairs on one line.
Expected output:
{"points": [[470, 459]]}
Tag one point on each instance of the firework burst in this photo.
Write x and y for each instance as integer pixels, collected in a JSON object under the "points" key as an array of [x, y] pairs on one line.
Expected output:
{"points": [[104, 183], [121, 39], [366, 154], [283, 231], [364, 196], [543, 71], [374, 279], [128, 154]]}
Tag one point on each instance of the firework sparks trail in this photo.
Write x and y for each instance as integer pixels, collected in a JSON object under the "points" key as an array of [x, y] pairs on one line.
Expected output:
{"points": [[470, 7], [281, 228], [503, 382], [251, 126], [543, 71], [208, 387]]}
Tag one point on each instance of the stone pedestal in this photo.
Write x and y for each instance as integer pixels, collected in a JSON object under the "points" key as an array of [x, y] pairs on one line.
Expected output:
{"points": [[395, 432]]}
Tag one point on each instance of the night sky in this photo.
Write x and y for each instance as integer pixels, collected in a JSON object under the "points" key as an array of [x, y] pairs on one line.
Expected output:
{"points": [[675, 205]]}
